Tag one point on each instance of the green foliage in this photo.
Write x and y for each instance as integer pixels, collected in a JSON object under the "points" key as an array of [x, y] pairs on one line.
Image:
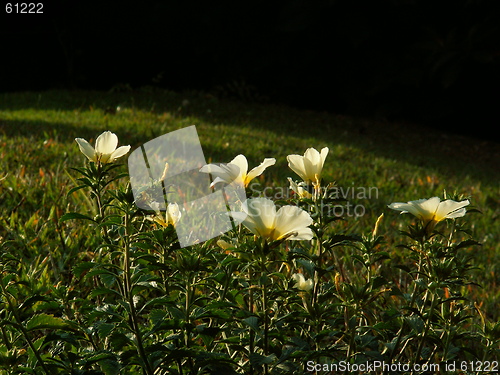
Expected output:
{"points": [[90, 285]]}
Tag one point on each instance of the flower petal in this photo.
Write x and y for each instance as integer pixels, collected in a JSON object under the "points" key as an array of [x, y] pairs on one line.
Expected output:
{"points": [[257, 171], [403, 207], [118, 153], [241, 162], [296, 164], [301, 282], [292, 219], [426, 207], [298, 277], [261, 216], [313, 156], [86, 149], [106, 143], [324, 154], [173, 214], [458, 213], [450, 209], [311, 170], [227, 173]]}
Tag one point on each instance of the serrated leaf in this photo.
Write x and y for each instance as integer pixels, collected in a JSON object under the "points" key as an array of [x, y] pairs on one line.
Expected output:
{"points": [[157, 315], [110, 366], [105, 329], [176, 313], [45, 321], [80, 268]]}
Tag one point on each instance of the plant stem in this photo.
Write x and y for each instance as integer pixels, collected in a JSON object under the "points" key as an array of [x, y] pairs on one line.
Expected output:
{"points": [[412, 302], [424, 334], [251, 344], [266, 326], [130, 298]]}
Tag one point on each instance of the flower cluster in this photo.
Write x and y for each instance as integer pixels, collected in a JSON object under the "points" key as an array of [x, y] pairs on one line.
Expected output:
{"points": [[285, 285], [260, 215]]}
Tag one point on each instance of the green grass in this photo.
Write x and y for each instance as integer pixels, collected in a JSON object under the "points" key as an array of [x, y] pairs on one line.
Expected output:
{"points": [[391, 161]]}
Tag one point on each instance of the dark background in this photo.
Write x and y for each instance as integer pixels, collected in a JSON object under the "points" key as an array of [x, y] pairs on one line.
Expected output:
{"points": [[433, 62]]}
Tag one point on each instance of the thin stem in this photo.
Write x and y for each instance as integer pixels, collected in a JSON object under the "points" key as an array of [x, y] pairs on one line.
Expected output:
{"points": [[412, 302], [251, 344], [266, 326], [130, 298], [424, 334], [319, 253], [187, 307]]}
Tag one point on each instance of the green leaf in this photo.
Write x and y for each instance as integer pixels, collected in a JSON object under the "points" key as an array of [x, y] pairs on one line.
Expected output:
{"points": [[76, 188], [253, 322], [259, 359], [100, 272], [45, 321], [98, 291], [467, 243], [378, 281], [75, 215], [108, 363], [157, 316], [105, 329], [416, 323], [80, 268], [176, 313], [32, 360], [157, 301], [110, 366]]}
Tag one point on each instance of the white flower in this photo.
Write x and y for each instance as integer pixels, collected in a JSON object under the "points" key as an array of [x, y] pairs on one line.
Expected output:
{"points": [[299, 189], [105, 148], [432, 210], [309, 166], [172, 216], [261, 218], [301, 282], [236, 171]]}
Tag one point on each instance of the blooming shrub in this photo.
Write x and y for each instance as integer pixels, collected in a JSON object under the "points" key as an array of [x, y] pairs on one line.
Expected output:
{"points": [[283, 289]]}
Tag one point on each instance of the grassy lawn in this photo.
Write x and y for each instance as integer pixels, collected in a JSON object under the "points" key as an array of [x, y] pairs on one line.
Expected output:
{"points": [[375, 162]]}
